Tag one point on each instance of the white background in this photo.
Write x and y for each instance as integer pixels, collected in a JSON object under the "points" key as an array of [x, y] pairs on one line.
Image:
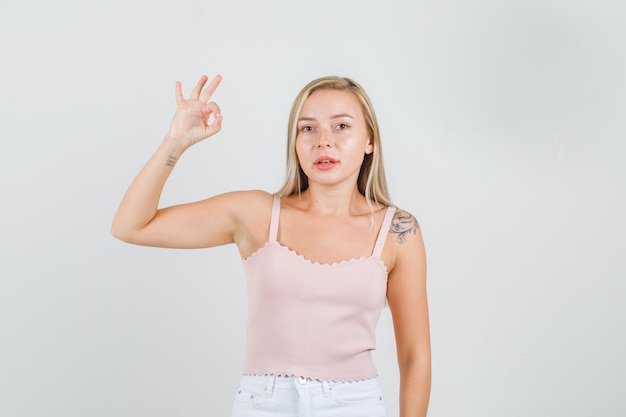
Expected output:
{"points": [[504, 134]]}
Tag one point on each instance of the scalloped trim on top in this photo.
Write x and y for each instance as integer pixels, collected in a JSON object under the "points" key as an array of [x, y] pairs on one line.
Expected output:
{"points": [[310, 262]]}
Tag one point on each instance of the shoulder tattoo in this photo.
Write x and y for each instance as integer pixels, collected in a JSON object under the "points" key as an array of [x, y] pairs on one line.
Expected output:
{"points": [[402, 224]]}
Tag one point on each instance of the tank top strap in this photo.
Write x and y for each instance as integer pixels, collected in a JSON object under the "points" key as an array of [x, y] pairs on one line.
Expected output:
{"points": [[382, 233], [274, 219]]}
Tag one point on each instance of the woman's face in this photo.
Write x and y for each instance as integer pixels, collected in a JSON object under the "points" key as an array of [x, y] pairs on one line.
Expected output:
{"points": [[332, 137]]}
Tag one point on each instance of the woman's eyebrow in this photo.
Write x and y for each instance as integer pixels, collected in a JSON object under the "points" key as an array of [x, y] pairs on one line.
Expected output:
{"points": [[340, 115], [334, 116]]}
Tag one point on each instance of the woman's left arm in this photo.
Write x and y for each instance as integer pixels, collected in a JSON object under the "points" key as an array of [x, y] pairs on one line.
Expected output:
{"points": [[406, 293]]}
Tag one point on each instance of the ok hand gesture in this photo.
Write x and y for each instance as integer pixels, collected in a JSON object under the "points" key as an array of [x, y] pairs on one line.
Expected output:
{"points": [[191, 120]]}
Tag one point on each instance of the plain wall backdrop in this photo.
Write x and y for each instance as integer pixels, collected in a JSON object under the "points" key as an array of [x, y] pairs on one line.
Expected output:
{"points": [[503, 130]]}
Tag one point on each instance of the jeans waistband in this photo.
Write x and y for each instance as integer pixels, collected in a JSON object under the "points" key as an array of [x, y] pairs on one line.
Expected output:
{"points": [[273, 382]]}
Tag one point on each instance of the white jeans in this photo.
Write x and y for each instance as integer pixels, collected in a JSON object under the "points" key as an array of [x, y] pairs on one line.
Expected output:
{"points": [[279, 396]]}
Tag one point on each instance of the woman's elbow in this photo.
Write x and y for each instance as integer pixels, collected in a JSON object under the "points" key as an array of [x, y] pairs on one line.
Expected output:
{"points": [[121, 233]]}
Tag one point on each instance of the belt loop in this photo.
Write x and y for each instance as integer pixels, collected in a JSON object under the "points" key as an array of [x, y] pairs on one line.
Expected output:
{"points": [[269, 388], [326, 389]]}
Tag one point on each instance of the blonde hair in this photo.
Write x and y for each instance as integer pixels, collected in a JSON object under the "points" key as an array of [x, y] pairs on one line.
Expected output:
{"points": [[371, 181]]}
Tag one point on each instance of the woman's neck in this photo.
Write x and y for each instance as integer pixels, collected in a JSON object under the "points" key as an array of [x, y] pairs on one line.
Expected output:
{"points": [[338, 202]]}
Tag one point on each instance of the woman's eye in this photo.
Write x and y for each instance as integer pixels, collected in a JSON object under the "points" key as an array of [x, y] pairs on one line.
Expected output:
{"points": [[342, 126], [306, 128]]}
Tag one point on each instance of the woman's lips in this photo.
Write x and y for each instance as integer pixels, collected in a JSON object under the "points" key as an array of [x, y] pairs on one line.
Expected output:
{"points": [[325, 162]]}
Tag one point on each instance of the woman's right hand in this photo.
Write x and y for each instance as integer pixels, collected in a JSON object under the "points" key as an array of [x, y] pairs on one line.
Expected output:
{"points": [[227, 218], [191, 124]]}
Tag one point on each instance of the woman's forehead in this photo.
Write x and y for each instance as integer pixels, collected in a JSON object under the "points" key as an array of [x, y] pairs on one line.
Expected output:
{"points": [[329, 102]]}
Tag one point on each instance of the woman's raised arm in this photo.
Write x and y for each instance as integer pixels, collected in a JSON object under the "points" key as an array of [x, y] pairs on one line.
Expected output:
{"points": [[206, 223]]}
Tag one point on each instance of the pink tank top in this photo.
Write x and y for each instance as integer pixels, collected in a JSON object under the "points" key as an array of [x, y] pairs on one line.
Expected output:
{"points": [[312, 319]]}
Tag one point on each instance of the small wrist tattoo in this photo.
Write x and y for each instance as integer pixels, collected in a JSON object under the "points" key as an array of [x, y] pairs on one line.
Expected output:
{"points": [[171, 161]]}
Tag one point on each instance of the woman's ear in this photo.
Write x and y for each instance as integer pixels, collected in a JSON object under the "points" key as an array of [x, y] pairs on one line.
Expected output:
{"points": [[369, 148]]}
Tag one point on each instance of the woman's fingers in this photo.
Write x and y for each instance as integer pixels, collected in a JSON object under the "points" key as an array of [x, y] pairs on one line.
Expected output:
{"points": [[206, 95], [195, 93], [179, 92], [196, 118], [213, 109]]}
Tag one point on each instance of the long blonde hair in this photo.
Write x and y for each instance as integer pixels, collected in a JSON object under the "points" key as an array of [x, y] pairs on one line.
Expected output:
{"points": [[371, 181]]}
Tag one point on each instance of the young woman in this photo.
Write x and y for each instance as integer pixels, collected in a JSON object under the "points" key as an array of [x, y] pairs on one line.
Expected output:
{"points": [[321, 256]]}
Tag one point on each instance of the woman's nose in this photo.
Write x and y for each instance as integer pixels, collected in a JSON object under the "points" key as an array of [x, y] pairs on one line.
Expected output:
{"points": [[324, 139]]}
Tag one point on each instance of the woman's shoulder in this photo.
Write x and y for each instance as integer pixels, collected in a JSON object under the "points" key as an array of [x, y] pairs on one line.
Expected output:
{"points": [[246, 199], [252, 195], [403, 225], [242, 205], [404, 238], [404, 247]]}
